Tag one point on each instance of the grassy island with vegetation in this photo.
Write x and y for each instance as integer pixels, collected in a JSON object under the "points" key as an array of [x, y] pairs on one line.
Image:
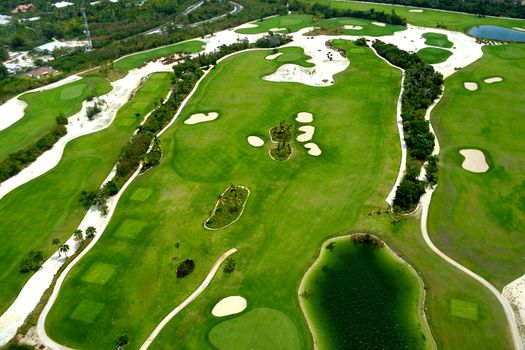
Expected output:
{"points": [[228, 208], [282, 136]]}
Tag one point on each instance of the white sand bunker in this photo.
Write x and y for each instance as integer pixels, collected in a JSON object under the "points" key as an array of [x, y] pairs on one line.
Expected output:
{"points": [[352, 27], [273, 56], [474, 160], [313, 149], [308, 133], [417, 11], [229, 306], [255, 141], [304, 117], [493, 80], [201, 117], [470, 86], [277, 29], [379, 24], [514, 292]]}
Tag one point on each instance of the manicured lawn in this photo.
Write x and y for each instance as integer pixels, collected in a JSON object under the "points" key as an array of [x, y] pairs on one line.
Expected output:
{"points": [[293, 55], [433, 55], [427, 18], [464, 309], [485, 212], [292, 22], [437, 39], [47, 207], [368, 27], [44, 107], [136, 60], [293, 206]]}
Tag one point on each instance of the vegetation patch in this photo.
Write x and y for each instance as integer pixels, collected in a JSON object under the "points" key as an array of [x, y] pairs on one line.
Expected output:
{"points": [[99, 273], [282, 136], [228, 207], [335, 26], [130, 228], [432, 55], [141, 194], [292, 23], [72, 92], [87, 311], [464, 309], [437, 39], [185, 268], [294, 55]]}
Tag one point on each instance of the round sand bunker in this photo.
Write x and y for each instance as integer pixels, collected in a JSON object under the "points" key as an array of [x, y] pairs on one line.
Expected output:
{"points": [[470, 86], [474, 161], [352, 27], [255, 141], [229, 306], [201, 117], [304, 117], [493, 80]]}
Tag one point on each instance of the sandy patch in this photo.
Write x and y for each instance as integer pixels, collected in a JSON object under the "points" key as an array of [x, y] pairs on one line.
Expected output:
{"points": [[273, 56], [379, 24], [470, 86], [474, 160], [514, 292], [229, 306], [313, 149], [247, 25], [304, 117], [417, 11], [277, 29], [493, 80], [255, 141], [308, 133], [352, 27], [520, 29], [201, 117]]}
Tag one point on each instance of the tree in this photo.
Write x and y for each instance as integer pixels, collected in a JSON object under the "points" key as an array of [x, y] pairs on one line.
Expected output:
{"points": [[229, 265], [78, 234], [64, 248], [56, 241], [33, 261], [122, 341], [90, 232], [185, 268]]}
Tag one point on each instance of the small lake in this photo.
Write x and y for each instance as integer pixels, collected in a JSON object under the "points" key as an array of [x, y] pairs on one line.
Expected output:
{"points": [[496, 33], [363, 297]]}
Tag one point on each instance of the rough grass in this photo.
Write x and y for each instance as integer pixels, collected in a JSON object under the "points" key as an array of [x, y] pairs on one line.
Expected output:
{"points": [[432, 55], [289, 213], [48, 206], [336, 25], [485, 212], [464, 309], [437, 39], [136, 60], [428, 18], [43, 108], [292, 22]]}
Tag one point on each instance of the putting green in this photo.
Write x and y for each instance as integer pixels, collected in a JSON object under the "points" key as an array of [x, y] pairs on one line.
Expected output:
{"points": [[293, 55], [437, 39], [464, 309], [28, 225], [130, 228], [99, 273], [43, 108], [141, 194], [292, 22], [432, 55], [261, 328], [87, 311]]}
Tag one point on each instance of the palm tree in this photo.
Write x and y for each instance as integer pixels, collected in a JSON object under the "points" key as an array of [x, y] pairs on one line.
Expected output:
{"points": [[78, 234], [90, 232], [56, 241], [64, 248]]}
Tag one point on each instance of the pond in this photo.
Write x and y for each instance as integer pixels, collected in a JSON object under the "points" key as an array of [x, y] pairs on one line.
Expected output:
{"points": [[496, 33], [362, 297]]}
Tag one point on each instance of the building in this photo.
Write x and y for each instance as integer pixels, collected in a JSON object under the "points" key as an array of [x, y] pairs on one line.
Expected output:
{"points": [[42, 71], [22, 8]]}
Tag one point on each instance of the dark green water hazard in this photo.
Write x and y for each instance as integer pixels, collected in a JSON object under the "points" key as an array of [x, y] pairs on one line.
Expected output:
{"points": [[362, 297]]}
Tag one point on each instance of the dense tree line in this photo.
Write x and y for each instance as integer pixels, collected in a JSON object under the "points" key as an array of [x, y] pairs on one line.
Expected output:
{"points": [[507, 8], [326, 11], [17, 161], [422, 85]]}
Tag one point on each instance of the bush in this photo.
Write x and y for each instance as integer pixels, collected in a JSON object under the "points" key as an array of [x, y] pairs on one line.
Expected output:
{"points": [[361, 42], [185, 268], [408, 194], [33, 262], [122, 341], [229, 265], [61, 119], [92, 111]]}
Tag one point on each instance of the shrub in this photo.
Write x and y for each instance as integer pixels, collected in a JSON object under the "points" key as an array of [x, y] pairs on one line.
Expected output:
{"points": [[61, 119], [408, 193], [33, 262], [229, 265], [122, 341], [361, 42], [92, 111], [185, 268]]}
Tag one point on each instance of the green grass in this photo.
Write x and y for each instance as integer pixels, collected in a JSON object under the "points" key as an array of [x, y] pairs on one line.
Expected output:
{"points": [[261, 328], [48, 207], [337, 24], [292, 22], [437, 39], [87, 311], [289, 213], [433, 55], [464, 309], [42, 109], [141, 194], [136, 60], [485, 212], [293, 55], [99, 273], [428, 18], [130, 228]]}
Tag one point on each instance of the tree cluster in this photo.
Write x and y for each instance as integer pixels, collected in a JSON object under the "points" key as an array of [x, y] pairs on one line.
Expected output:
{"points": [[32, 262], [185, 268], [422, 85], [18, 160], [366, 238]]}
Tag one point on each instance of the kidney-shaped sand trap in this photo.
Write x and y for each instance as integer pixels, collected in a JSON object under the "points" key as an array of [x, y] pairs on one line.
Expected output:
{"points": [[493, 80], [474, 160], [229, 306], [273, 56], [307, 133], [255, 141], [352, 27], [201, 117], [304, 117], [379, 24], [470, 86], [313, 149]]}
